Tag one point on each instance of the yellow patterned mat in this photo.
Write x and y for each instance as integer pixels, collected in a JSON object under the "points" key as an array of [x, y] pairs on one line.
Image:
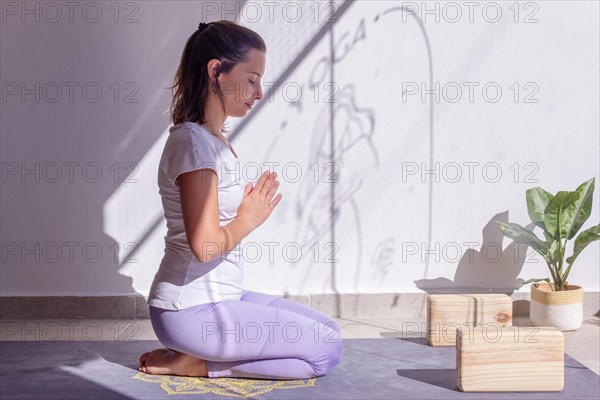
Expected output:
{"points": [[235, 387]]}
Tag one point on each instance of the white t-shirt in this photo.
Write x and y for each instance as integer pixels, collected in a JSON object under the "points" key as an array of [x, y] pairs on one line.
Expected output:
{"points": [[182, 281]]}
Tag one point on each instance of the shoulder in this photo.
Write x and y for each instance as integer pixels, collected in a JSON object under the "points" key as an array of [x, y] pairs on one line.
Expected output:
{"points": [[190, 133], [184, 129]]}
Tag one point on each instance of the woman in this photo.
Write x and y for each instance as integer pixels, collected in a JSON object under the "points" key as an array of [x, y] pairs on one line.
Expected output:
{"points": [[211, 326]]}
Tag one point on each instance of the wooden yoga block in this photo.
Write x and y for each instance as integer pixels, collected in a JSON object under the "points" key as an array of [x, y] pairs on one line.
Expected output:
{"points": [[447, 312], [502, 359]]}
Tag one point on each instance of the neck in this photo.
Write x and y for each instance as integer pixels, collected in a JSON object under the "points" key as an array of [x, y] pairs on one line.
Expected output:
{"points": [[215, 117]]}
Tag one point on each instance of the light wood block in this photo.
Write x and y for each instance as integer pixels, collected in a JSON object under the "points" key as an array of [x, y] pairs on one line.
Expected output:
{"points": [[491, 358], [447, 312]]}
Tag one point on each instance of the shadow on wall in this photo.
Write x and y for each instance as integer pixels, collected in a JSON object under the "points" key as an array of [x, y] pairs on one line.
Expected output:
{"points": [[488, 269], [318, 208]]}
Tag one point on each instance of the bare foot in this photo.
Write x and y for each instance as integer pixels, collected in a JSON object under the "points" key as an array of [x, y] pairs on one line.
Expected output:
{"points": [[169, 362]]}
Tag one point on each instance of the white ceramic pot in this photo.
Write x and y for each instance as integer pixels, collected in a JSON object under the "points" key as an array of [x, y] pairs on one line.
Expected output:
{"points": [[560, 309]]}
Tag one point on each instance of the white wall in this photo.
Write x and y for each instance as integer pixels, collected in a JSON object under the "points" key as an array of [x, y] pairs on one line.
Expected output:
{"points": [[386, 218]]}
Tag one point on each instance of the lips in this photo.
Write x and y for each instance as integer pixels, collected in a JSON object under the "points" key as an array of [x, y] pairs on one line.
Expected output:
{"points": [[248, 105]]}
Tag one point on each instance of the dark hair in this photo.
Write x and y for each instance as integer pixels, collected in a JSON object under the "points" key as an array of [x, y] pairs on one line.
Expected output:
{"points": [[224, 40]]}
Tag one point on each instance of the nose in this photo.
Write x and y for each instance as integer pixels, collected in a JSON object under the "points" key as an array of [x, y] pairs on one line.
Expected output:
{"points": [[259, 92]]}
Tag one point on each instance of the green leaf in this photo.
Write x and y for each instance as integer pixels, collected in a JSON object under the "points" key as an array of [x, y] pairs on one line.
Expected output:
{"points": [[553, 255], [537, 200], [558, 212], [586, 237], [581, 208], [535, 280], [524, 236], [548, 236]]}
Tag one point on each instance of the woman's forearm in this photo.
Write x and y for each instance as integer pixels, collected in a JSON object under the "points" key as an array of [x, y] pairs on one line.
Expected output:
{"points": [[228, 237]]}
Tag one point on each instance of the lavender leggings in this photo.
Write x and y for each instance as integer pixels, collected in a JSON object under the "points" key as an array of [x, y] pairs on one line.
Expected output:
{"points": [[260, 336]]}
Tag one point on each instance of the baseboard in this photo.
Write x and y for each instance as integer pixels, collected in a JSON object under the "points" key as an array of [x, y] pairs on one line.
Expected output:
{"points": [[347, 305]]}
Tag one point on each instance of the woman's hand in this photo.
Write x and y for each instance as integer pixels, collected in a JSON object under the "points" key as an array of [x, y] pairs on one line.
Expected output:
{"points": [[256, 205]]}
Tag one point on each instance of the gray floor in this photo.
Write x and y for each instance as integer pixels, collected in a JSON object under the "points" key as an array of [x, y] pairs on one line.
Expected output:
{"points": [[98, 359]]}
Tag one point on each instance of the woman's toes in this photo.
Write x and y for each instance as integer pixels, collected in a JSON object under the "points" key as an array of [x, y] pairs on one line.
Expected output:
{"points": [[169, 362]]}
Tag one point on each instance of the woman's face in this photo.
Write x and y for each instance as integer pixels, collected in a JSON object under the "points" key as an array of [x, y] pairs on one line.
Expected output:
{"points": [[242, 84]]}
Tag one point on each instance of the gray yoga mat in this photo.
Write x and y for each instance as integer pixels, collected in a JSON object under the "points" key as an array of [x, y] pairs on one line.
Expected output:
{"points": [[370, 369]]}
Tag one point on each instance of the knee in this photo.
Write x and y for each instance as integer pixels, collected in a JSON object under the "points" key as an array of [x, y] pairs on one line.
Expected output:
{"points": [[332, 355], [334, 326], [335, 353]]}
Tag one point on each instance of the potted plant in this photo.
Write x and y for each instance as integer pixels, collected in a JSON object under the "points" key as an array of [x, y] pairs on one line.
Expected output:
{"points": [[555, 302]]}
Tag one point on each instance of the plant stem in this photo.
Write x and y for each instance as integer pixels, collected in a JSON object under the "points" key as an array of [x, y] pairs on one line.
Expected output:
{"points": [[557, 282], [552, 273], [563, 278], [566, 275]]}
